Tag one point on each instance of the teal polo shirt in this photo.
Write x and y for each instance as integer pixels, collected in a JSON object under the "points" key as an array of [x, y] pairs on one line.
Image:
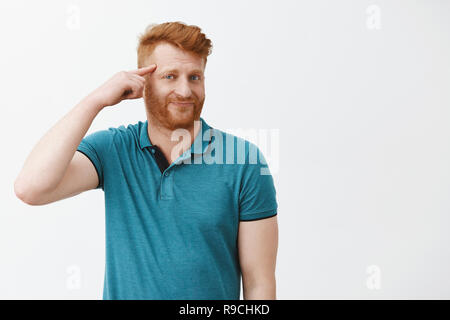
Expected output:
{"points": [[172, 230]]}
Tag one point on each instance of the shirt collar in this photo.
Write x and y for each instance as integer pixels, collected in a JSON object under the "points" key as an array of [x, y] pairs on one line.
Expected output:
{"points": [[144, 140]]}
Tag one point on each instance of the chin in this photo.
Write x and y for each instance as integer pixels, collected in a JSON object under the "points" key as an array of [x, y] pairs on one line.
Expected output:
{"points": [[182, 120], [183, 123]]}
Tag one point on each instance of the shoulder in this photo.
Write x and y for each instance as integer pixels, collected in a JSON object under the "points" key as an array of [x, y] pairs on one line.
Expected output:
{"points": [[121, 136], [235, 146], [125, 135], [129, 130]]}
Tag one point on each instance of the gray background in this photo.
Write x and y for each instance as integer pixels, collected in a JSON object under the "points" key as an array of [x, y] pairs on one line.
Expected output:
{"points": [[358, 90]]}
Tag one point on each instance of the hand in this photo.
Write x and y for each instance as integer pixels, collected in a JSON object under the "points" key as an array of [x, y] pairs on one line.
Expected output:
{"points": [[121, 86]]}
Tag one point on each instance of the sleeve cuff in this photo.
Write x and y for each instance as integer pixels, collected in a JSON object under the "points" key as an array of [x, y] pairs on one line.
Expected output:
{"points": [[258, 215], [85, 152]]}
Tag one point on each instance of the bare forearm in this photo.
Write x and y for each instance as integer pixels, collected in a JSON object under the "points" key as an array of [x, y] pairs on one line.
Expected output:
{"points": [[263, 290], [46, 164]]}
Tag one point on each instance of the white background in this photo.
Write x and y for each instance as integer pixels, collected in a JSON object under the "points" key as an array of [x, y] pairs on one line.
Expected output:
{"points": [[362, 109]]}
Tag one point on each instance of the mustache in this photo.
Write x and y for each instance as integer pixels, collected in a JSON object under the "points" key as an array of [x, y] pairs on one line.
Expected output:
{"points": [[181, 101]]}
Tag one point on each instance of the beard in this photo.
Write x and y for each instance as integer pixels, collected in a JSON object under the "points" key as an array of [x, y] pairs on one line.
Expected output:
{"points": [[169, 115]]}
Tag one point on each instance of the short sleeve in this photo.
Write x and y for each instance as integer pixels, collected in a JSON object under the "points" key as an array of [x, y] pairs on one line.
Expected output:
{"points": [[257, 196], [96, 146]]}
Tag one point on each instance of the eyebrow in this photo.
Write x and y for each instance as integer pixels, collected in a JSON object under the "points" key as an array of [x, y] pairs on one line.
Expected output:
{"points": [[176, 71]]}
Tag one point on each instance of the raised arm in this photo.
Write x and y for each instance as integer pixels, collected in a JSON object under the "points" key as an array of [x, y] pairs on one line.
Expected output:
{"points": [[54, 170]]}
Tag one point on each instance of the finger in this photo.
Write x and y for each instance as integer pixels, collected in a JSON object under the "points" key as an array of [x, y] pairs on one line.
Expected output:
{"points": [[137, 93], [129, 89], [145, 70], [134, 90], [138, 82], [137, 77]]}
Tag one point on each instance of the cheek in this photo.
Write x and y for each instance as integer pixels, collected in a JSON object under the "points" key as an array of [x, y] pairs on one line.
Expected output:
{"points": [[160, 87], [199, 91], [156, 91]]}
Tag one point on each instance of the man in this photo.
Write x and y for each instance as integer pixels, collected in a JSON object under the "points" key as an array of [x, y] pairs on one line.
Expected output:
{"points": [[184, 219]]}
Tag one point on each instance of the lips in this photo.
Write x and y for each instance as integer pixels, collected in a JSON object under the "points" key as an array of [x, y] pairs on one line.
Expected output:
{"points": [[184, 104]]}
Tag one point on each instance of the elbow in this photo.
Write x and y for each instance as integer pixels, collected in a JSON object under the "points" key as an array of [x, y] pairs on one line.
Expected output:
{"points": [[25, 194]]}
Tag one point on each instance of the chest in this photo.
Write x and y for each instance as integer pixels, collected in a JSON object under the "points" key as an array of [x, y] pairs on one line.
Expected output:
{"points": [[204, 197]]}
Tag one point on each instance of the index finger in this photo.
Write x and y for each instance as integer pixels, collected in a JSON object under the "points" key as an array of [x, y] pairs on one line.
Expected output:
{"points": [[144, 70]]}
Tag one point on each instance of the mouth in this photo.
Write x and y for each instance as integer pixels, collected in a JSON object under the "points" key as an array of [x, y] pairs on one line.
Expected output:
{"points": [[183, 104]]}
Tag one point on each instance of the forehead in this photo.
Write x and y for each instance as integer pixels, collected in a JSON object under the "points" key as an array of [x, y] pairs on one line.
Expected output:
{"points": [[169, 57]]}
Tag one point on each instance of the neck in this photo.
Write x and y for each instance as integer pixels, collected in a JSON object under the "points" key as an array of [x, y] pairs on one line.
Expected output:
{"points": [[162, 137]]}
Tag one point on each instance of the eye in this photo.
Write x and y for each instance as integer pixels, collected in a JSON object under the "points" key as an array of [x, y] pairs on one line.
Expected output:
{"points": [[168, 75], [197, 76]]}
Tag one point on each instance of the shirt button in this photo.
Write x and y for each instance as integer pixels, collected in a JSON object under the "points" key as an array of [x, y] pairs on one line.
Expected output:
{"points": [[166, 174], [153, 150]]}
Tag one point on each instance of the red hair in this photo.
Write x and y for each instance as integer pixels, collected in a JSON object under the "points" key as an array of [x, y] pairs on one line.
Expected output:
{"points": [[189, 38]]}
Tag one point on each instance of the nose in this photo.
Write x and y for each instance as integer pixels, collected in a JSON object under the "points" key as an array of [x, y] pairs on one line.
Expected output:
{"points": [[183, 89]]}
